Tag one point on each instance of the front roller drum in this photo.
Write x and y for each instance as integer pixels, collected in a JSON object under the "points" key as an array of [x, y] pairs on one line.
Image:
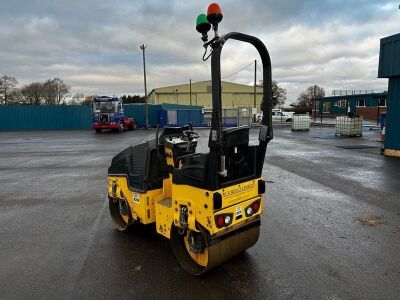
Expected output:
{"points": [[215, 252], [120, 213]]}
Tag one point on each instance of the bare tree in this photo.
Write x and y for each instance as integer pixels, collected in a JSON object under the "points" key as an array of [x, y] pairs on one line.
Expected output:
{"points": [[55, 91], [49, 92], [8, 85], [88, 100], [278, 94], [78, 98], [306, 98], [15, 97], [33, 93]]}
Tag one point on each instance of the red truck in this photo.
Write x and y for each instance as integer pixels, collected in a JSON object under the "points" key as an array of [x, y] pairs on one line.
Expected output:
{"points": [[108, 113]]}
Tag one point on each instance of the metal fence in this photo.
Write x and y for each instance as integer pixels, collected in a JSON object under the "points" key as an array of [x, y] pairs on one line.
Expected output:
{"points": [[32, 117], [179, 117], [20, 117], [37, 117], [231, 117]]}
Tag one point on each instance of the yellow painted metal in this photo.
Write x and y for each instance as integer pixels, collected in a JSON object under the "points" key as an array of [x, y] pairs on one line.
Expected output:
{"points": [[390, 152], [142, 205], [151, 206], [200, 204], [163, 206], [199, 258], [169, 155], [164, 217]]}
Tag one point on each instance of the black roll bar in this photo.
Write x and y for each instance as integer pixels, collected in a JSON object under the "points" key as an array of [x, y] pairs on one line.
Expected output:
{"points": [[216, 140]]}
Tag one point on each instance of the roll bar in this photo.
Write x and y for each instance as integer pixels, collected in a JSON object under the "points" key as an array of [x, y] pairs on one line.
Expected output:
{"points": [[216, 139]]}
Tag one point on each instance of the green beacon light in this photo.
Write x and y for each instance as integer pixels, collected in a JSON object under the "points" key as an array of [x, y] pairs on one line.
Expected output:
{"points": [[202, 26]]}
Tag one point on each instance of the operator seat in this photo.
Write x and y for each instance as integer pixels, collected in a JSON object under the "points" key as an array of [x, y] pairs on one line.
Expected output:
{"points": [[240, 161]]}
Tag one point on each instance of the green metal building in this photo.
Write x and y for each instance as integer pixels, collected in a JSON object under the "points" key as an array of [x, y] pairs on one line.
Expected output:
{"points": [[389, 67], [367, 105]]}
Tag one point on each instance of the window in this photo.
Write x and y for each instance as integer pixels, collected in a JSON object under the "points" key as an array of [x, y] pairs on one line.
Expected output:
{"points": [[361, 103], [342, 103], [382, 102], [326, 107], [316, 106]]}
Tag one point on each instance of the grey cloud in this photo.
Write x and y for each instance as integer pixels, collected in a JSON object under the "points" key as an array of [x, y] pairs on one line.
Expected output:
{"points": [[94, 45]]}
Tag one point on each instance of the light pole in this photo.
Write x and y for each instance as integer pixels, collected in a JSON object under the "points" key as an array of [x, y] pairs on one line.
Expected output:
{"points": [[146, 112], [190, 92], [315, 108]]}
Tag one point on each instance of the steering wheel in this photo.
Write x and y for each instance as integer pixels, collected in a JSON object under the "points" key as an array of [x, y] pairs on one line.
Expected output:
{"points": [[190, 134]]}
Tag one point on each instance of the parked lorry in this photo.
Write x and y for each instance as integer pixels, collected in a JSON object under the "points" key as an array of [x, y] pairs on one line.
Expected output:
{"points": [[108, 113]]}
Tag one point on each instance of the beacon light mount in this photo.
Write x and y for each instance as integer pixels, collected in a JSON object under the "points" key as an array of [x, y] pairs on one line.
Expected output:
{"points": [[204, 23]]}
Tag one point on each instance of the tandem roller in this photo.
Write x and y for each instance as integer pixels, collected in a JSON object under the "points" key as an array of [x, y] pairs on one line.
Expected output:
{"points": [[207, 204]]}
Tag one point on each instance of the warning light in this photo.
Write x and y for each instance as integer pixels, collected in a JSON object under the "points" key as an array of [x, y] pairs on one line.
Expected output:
{"points": [[202, 25], [214, 13]]}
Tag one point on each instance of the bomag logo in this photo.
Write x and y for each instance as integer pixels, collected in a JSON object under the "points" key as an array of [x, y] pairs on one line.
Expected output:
{"points": [[237, 190]]}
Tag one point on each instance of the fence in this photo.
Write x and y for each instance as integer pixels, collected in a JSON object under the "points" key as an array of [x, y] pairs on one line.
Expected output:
{"points": [[32, 117], [231, 117], [178, 117], [37, 117], [18, 117]]}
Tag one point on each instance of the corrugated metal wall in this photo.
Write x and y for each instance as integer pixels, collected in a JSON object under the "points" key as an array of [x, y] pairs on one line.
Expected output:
{"points": [[392, 140], [389, 58], [137, 112], [16, 117], [27, 117]]}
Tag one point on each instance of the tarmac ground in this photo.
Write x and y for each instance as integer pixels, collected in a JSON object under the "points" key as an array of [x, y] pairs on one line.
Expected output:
{"points": [[330, 229]]}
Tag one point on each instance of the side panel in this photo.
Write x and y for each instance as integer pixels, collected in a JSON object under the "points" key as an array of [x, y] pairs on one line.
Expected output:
{"points": [[142, 204]]}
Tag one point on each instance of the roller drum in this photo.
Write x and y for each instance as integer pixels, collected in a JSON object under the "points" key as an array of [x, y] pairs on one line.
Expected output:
{"points": [[217, 250]]}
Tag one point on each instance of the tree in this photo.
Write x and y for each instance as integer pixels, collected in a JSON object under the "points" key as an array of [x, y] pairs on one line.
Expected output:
{"points": [[55, 91], [78, 98], [88, 100], [33, 93], [15, 97], [132, 99], [278, 94], [8, 85], [306, 98]]}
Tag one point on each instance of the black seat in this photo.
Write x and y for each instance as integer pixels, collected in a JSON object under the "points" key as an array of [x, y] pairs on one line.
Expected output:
{"points": [[236, 136], [193, 171], [197, 169]]}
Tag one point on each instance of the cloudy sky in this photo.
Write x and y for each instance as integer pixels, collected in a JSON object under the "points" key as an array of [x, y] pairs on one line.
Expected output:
{"points": [[94, 44]]}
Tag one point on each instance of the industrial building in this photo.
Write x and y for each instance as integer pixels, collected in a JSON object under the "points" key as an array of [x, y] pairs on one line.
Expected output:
{"points": [[199, 94], [389, 67], [368, 105]]}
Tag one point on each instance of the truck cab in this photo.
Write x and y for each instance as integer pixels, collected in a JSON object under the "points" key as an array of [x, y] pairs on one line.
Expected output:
{"points": [[108, 113]]}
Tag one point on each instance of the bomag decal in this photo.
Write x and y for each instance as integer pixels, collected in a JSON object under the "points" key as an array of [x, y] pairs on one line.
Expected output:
{"points": [[237, 190]]}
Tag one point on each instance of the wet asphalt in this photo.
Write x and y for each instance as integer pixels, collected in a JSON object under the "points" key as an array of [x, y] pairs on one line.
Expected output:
{"points": [[57, 239]]}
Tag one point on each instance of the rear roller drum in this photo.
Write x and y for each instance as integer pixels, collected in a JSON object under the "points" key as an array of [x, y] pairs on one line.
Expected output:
{"points": [[120, 213], [198, 254]]}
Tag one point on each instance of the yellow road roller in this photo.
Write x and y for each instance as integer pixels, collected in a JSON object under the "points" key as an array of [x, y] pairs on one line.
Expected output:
{"points": [[207, 204]]}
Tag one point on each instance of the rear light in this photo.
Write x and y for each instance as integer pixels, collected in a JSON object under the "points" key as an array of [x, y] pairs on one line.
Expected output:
{"points": [[223, 220], [253, 208]]}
